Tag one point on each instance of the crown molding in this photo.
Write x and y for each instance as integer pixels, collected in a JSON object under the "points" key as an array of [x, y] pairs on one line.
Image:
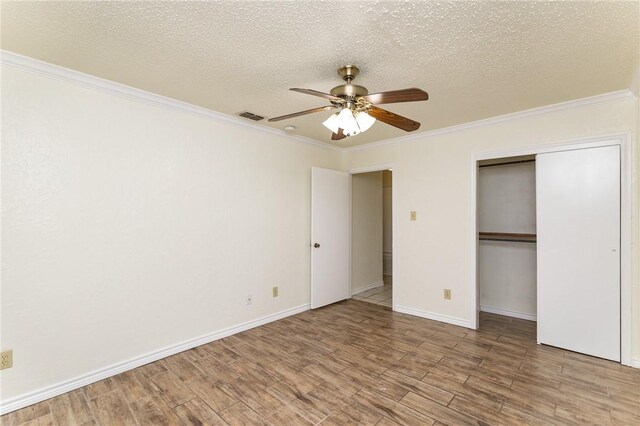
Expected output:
{"points": [[576, 103], [106, 86]]}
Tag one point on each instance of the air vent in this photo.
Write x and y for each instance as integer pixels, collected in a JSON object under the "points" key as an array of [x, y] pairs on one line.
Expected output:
{"points": [[251, 116]]}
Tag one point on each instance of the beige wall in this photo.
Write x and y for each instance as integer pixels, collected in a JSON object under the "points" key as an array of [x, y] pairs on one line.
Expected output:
{"points": [[366, 231], [128, 228], [432, 175]]}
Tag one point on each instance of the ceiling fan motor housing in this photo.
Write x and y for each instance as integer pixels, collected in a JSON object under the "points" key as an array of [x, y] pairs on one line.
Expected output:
{"points": [[349, 91]]}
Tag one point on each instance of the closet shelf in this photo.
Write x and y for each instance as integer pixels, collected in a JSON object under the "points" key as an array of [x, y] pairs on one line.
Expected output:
{"points": [[506, 236]]}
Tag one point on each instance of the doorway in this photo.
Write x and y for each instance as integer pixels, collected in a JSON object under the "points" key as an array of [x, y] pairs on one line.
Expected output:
{"points": [[371, 237], [506, 200]]}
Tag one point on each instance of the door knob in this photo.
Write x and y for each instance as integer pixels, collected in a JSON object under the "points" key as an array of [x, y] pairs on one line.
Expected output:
{"points": [[316, 245]]}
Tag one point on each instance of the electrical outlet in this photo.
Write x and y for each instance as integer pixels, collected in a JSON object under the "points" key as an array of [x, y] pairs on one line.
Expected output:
{"points": [[447, 293], [6, 359], [249, 299], [412, 215], [275, 291]]}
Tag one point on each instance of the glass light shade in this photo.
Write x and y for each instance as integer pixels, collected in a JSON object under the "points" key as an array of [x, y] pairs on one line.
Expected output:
{"points": [[348, 123], [331, 123], [365, 121]]}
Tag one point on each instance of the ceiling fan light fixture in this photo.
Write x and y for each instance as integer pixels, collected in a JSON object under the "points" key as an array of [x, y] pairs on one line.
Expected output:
{"points": [[365, 121], [347, 122], [331, 123]]}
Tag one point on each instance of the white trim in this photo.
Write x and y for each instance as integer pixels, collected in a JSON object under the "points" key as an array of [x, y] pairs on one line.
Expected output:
{"points": [[373, 168], [30, 398], [367, 287], [106, 86], [627, 189], [395, 220], [508, 313], [591, 100], [562, 145], [433, 316], [635, 363], [474, 244]]}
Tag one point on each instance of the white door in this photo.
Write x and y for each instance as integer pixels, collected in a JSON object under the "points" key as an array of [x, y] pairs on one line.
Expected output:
{"points": [[330, 236], [578, 226]]}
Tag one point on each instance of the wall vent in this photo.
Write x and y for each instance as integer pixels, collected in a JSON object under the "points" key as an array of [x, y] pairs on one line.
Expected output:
{"points": [[251, 116]]}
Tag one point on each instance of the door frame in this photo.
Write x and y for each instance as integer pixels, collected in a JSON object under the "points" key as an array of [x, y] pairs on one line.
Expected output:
{"points": [[623, 140], [368, 169]]}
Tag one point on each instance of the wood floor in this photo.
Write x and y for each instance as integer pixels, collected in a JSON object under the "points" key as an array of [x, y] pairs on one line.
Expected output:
{"points": [[359, 363]]}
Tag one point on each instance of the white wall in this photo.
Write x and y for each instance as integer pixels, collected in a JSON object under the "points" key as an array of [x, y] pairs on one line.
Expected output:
{"points": [[366, 231], [128, 227], [507, 270], [387, 221], [432, 175]]}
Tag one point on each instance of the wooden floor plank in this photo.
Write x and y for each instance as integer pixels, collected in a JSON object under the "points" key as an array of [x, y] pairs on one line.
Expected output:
{"points": [[111, 408], [172, 389], [26, 415], [241, 414], [154, 411], [356, 363], [71, 408], [440, 413], [197, 413]]}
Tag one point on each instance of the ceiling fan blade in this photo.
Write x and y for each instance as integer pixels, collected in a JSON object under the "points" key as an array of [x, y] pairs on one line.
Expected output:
{"points": [[338, 136], [320, 94], [395, 120], [299, 113], [394, 96]]}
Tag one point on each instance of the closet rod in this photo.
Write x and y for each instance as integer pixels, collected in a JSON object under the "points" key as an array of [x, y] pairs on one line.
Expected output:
{"points": [[507, 236], [508, 162]]}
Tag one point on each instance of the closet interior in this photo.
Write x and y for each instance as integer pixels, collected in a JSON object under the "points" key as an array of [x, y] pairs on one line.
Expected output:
{"points": [[507, 236]]}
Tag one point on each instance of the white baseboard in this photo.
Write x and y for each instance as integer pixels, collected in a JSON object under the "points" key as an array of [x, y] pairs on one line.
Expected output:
{"points": [[39, 395], [508, 313], [635, 362], [367, 287], [433, 316]]}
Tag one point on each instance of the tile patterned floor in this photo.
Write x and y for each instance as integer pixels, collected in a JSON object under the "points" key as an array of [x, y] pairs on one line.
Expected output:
{"points": [[355, 363], [378, 295]]}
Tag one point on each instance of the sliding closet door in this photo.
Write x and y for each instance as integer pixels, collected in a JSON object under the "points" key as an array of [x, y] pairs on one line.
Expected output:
{"points": [[578, 226]]}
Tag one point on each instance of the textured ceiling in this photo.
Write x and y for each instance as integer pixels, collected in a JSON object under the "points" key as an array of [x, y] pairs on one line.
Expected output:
{"points": [[476, 59]]}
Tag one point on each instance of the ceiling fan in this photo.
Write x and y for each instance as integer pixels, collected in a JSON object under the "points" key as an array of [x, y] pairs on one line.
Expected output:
{"points": [[358, 110]]}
